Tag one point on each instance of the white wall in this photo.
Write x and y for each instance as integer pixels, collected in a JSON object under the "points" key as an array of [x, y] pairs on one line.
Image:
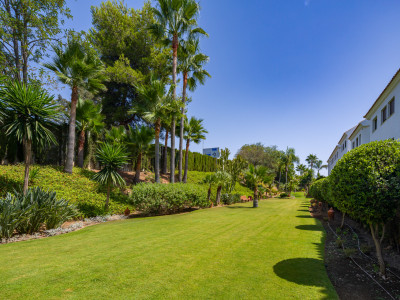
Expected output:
{"points": [[391, 127]]}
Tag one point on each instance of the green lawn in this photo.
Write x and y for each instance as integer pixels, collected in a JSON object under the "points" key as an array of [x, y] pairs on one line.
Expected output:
{"points": [[236, 252]]}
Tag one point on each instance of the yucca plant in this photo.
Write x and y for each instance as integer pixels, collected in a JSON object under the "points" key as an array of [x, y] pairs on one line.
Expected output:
{"points": [[28, 112], [111, 158]]}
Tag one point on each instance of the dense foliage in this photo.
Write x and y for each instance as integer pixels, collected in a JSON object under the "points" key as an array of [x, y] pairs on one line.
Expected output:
{"points": [[366, 185], [366, 182], [26, 213], [167, 198], [78, 188]]}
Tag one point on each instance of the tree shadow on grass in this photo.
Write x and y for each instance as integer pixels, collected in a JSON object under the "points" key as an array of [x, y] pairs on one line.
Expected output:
{"points": [[309, 227], [303, 210], [304, 216], [305, 271]]}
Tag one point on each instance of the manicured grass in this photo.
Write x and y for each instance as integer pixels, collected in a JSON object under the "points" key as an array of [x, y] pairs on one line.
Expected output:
{"points": [[236, 252]]}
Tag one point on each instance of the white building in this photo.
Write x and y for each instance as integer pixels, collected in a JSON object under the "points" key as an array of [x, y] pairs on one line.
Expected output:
{"points": [[341, 148], [381, 123]]}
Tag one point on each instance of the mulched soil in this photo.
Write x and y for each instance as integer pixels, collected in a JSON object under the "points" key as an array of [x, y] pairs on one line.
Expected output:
{"points": [[344, 271]]}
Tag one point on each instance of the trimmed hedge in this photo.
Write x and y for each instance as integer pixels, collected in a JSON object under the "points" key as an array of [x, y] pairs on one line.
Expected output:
{"points": [[366, 182], [167, 198]]}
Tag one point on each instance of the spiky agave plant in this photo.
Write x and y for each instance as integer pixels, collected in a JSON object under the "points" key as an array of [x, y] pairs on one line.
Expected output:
{"points": [[111, 158]]}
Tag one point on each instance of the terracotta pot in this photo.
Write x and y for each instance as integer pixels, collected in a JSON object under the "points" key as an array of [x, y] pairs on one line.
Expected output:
{"points": [[331, 214], [127, 212]]}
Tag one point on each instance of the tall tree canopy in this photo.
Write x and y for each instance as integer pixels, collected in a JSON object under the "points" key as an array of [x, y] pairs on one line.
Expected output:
{"points": [[27, 28], [129, 52]]}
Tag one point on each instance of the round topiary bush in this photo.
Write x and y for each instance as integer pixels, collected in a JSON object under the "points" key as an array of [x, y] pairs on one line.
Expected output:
{"points": [[365, 184]]}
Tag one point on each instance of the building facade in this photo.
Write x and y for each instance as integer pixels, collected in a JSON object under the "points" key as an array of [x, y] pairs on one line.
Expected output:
{"points": [[381, 123]]}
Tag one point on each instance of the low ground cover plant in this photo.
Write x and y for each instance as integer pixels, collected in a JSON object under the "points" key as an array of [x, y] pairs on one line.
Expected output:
{"points": [[229, 199], [27, 213], [167, 198], [78, 188]]}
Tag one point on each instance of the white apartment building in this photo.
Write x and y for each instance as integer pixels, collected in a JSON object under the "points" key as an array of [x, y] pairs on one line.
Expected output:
{"points": [[381, 123]]}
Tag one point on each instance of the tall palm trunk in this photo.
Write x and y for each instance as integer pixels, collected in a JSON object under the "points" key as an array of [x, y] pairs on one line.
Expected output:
{"points": [[138, 167], [280, 175], [174, 65], [81, 148], [157, 151], [165, 162], [218, 200], [255, 200], [286, 173], [28, 155], [182, 125], [186, 161], [71, 135]]}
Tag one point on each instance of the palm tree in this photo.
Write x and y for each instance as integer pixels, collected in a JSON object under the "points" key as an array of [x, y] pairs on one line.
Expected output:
{"points": [[221, 179], [255, 176], [111, 158], [311, 160], [194, 132], [80, 68], [319, 166], [174, 19], [116, 135], [139, 141], [191, 63], [28, 112], [89, 118], [156, 106], [210, 180], [301, 169], [289, 157]]}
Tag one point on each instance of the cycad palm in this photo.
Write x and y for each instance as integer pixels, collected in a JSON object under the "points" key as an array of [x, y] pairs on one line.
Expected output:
{"points": [[111, 158], [194, 132], [139, 141], [28, 114], [89, 118], [221, 179], [174, 20], [191, 63], [116, 135], [80, 68]]}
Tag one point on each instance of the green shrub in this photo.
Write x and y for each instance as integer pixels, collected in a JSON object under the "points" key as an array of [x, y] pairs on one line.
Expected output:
{"points": [[78, 188], [229, 199], [365, 184], [10, 216], [27, 213], [167, 198], [284, 195]]}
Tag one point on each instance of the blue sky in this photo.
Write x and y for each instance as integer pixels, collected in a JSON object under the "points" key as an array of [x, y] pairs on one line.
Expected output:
{"points": [[294, 73]]}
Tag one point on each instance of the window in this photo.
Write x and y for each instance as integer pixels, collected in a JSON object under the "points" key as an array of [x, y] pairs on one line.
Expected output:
{"points": [[359, 140], [357, 144], [354, 145], [375, 124], [383, 114], [391, 107]]}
